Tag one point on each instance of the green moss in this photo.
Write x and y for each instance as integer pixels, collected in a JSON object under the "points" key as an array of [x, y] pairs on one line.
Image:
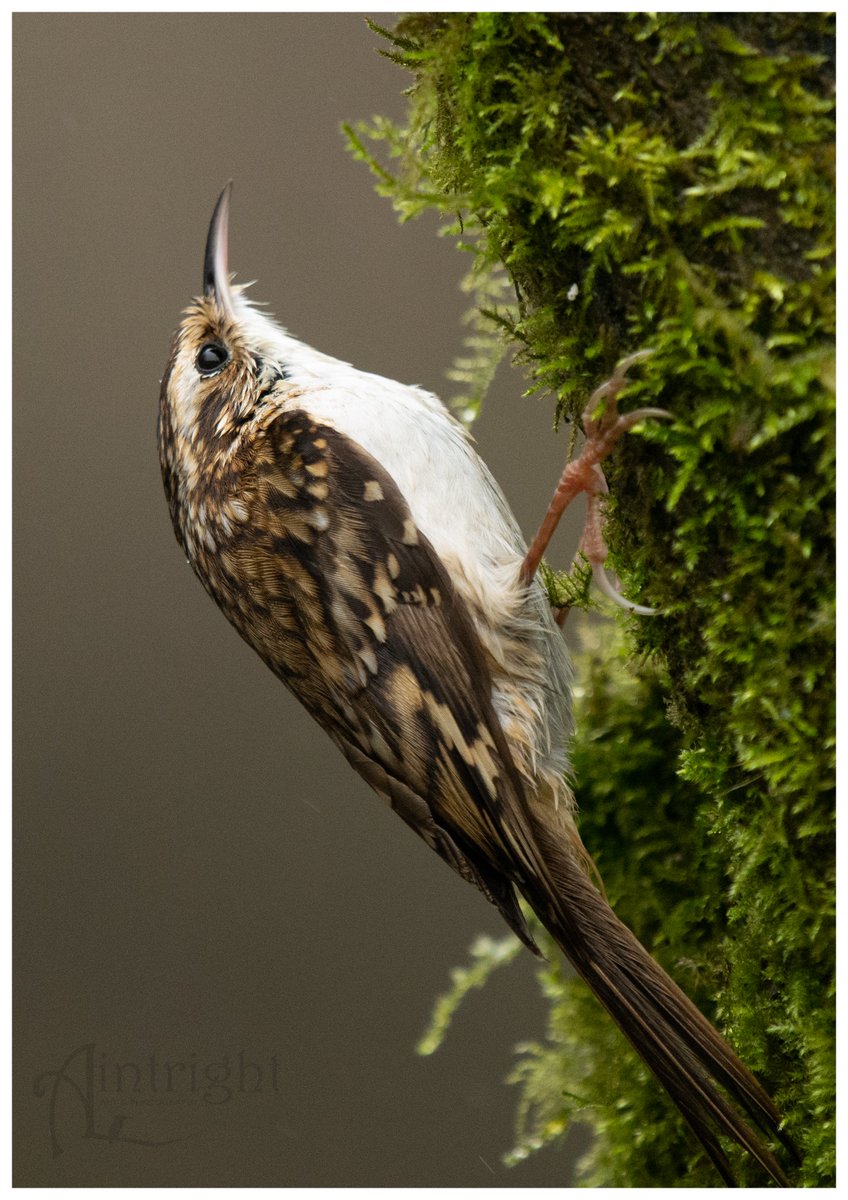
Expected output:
{"points": [[667, 181]]}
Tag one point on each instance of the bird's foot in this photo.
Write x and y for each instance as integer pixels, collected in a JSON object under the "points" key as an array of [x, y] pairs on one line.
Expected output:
{"points": [[583, 474], [594, 550]]}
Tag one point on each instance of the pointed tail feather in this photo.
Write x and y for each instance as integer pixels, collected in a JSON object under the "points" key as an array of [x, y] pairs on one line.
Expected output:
{"points": [[687, 1055]]}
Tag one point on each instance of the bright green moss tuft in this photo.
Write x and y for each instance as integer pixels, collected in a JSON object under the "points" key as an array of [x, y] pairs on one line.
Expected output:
{"points": [[667, 181]]}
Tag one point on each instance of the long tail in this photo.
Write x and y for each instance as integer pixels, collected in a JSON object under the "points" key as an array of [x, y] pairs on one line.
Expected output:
{"points": [[679, 1045]]}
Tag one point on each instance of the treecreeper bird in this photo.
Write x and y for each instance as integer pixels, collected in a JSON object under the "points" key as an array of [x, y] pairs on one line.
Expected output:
{"points": [[347, 528]]}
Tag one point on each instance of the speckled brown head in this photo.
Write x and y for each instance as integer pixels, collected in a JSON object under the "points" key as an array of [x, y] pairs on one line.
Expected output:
{"points": [[213, 390]]}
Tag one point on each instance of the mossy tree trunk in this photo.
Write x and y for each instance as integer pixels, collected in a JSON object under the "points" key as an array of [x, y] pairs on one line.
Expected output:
{"points": [[667, 181]]}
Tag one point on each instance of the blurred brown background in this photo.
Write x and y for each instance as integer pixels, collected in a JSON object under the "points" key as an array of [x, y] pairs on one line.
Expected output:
{"points": [[200, 879]]}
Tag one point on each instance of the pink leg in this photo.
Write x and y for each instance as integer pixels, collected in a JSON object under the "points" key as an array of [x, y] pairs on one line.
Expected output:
{"points": [[584, 474]]}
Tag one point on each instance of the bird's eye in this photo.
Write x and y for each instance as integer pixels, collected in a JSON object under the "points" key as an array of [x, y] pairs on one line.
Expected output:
{"points": [[211, 357]]}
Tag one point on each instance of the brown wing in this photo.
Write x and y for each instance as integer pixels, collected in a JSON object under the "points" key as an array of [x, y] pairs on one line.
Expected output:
{"points": [[368, 631]]}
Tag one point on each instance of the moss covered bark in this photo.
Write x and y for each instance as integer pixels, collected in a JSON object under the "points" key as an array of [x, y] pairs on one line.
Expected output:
{"points": [[667, 181]]}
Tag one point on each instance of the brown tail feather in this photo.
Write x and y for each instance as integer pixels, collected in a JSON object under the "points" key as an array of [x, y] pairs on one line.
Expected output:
{"points": [[687, 1055]]}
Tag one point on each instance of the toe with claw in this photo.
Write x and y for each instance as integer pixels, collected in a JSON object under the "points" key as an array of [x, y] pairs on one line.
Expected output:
{"points": [[603, 426]]}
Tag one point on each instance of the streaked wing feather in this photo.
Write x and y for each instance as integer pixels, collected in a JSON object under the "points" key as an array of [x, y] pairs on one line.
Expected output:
{"points": [[413, 710]]}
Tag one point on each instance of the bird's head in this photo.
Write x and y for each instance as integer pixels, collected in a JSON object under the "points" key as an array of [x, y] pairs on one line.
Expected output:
{"points": [[228, 365]]}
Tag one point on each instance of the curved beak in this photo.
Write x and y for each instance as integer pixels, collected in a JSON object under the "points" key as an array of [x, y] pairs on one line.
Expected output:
{"points": [[216, 281]]}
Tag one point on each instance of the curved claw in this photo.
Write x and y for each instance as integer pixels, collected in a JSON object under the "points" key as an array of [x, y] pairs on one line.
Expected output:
{"points": [[603, 584], [617, 379], [628, 420], [609, 422], [636, 357]]}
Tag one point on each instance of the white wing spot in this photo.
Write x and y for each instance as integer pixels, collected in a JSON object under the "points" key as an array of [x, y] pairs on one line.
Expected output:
{"points": [[318, 519], [373, 491]]}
